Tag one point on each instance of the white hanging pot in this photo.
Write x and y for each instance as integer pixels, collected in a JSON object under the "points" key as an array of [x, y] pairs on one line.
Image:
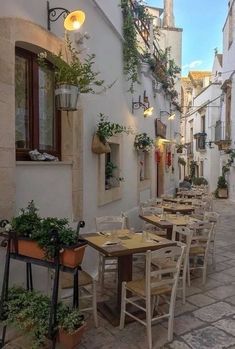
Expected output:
{"points": [[66, 97]]}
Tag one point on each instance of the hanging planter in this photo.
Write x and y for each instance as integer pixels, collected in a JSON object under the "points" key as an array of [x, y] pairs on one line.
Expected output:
{"points": [[72, 77], [66, 97], [99, 147]]}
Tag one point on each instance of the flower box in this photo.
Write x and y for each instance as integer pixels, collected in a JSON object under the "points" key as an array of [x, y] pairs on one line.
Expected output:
{"points": [[71, 340], [71, 256]]}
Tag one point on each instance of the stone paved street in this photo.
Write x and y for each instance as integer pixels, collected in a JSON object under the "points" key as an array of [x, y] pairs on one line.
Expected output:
{"points": [[206, 321]]}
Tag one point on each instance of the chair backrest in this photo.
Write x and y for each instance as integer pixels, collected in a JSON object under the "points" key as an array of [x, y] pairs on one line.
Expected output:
{"points": [[132, 219], [202, 234], [147, 211], [109, 222], [154, 278], [183, 235], [155, 201], [211, 217]]}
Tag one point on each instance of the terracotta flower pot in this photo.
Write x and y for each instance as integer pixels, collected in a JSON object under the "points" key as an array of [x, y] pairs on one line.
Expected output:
{"points": [[71, 340], [69, 257], [72, 257], [223, 193]]}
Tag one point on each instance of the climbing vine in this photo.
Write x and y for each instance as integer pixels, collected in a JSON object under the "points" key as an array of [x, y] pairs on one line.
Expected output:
{"points": [[131, 56]]}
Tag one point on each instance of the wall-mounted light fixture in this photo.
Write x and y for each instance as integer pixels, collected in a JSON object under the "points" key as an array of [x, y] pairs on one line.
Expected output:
{"points": [[171, 116], [148, 111], [72, 20]]}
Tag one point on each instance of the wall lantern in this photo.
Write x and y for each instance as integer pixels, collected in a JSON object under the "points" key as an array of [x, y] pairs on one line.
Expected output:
{"points": [[148, 111], [171, 116], [72, 20]]}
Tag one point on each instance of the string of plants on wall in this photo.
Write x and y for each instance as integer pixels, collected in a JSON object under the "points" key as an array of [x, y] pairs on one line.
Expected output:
{"points": [[131, 57]]}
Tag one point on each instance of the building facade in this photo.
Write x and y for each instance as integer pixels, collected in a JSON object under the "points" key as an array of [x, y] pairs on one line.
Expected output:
{"points": [[75, 187]]}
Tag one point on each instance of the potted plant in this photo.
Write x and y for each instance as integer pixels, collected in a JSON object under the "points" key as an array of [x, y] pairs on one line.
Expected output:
{"points": [[71, 327], [34, 237], [143, 142], [199, 181], [29, 312], [72, 76], [181, 161], [222, 188], [105, 130], [110, 179]]}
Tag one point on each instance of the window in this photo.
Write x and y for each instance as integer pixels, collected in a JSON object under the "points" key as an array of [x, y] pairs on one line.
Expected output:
{"points": [[112, 171], [37, 121]]}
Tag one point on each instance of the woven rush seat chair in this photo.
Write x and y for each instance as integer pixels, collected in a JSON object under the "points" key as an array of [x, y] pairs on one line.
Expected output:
{"points": [[108, 264], [156, 283], [87, 291]]}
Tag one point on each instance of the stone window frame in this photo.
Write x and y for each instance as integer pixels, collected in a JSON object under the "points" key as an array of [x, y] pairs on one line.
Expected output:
{"points": [[108, 196]]}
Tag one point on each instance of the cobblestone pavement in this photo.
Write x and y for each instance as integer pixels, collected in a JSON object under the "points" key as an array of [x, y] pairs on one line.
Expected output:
{"points": [[206, 321]]}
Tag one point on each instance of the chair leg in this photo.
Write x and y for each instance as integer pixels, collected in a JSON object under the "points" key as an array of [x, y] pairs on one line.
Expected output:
{"points": [[184, 288], [123, 306], [204, 273], [101, 271], [149, 322], [94, 303], [213, 255], [188, 272]]}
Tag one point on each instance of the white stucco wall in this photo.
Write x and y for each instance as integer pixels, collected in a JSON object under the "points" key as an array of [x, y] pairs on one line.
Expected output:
{"points": [[106, 42], [49, 185]]}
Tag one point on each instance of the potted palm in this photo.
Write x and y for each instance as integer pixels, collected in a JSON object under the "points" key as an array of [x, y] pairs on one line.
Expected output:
{"points": [[71, 77]]}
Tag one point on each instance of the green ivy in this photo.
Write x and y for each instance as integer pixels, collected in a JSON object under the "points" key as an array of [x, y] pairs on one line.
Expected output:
{"points": [[131, 57]]}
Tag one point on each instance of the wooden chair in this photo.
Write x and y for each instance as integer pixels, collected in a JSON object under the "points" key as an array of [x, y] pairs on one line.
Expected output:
{"points": [[183, 235], [108, 264], [212, 217], [160, 282], [148, 211], [200, 247], [87, 291]]}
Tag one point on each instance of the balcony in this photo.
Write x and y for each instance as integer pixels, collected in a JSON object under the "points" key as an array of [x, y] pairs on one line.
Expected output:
{"points": [[189, 148], [200, 141], [222, 135]]}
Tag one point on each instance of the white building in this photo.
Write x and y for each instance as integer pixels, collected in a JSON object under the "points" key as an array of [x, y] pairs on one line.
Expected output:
{"points": [[74, 187]]}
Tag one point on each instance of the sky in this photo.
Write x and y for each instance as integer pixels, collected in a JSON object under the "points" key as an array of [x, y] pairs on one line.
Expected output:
{"points": [[202, 22]]}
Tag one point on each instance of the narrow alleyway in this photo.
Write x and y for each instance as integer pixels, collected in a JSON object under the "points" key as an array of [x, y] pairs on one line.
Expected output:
{"points": [[206, 321]]}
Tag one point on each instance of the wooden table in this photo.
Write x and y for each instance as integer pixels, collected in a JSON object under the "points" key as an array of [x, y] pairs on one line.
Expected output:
{"points": [[168, 222], [129, 244], [190, 194], [178, 200], [184, 209]]}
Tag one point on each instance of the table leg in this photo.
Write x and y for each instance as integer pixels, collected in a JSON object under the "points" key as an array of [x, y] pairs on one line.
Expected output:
{"points": [[124, 274], [169, 233], [111, 309]]}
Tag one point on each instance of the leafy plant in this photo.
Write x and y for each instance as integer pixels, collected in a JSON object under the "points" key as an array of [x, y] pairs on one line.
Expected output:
{"points": [[30, 310], [222, 183], [110, 168], [181, 161], [74, 71], [107, 129], [27, 221], [69, 320], [193, 165], [199, 181], [143, 142], [44, 235], [131, 57]]}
